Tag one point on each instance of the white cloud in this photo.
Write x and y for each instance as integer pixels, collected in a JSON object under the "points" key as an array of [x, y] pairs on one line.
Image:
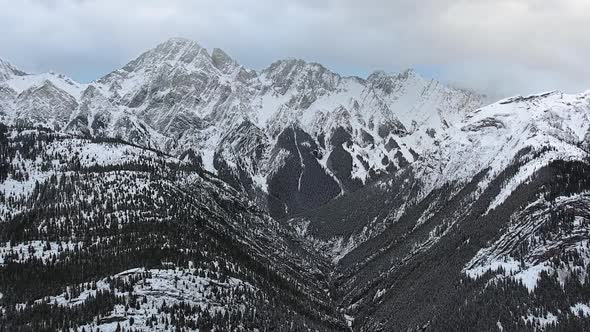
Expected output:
{"points": [[501, 47]]}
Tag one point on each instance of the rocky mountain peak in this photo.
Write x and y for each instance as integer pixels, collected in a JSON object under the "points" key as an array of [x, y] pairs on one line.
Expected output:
{"points": [[285, 63], [177, 60], [174, 53], [380, 77], [293, 66], [177, 96], [175, 46], [284, 75], [7, 70], [222, 61]]}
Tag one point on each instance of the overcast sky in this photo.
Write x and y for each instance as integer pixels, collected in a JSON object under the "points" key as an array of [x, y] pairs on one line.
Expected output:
{"points": [[499, 47]]}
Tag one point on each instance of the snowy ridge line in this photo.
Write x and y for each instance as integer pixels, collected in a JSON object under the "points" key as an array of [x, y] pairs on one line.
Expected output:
{"points": [[178, 96]]}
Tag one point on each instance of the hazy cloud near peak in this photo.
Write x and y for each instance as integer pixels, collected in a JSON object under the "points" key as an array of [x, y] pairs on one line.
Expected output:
{"points": [[500, 47]]}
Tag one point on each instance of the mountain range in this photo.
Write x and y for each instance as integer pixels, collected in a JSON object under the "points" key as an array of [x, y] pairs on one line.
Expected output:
{"points": [[186, 191]]}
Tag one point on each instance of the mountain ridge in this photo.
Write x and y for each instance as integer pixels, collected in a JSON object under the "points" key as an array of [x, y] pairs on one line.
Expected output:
{"points": [[177, 97], [387, 203]]}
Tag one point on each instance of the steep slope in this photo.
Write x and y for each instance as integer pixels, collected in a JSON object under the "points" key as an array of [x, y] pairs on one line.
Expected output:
{"points": [[8, 71], [504, 191], [100, 233]]}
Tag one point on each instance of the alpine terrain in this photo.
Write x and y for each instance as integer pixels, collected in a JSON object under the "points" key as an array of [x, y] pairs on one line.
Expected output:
{"points": [[186, 192]]}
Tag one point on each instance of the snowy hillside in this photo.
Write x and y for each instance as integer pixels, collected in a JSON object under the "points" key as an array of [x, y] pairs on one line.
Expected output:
{"points": [[76, 213]]}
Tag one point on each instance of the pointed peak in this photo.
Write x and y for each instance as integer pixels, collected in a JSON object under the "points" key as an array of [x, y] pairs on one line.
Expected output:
{"points": [[90, 92], [40, 87], [46, 85], [377, 74], [172, 52], [297, 62], [408, 71], [221, 60], [287, 62], [390, 83], [175, 46], [294, 65], [8, 70], [219, 53]]}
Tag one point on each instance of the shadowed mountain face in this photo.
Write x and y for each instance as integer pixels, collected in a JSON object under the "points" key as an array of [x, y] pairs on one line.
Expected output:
{"points": [[184, 191], [179, 97]]}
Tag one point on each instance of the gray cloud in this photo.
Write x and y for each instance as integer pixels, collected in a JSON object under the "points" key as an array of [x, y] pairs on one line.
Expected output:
{"points": [[501, 47]]}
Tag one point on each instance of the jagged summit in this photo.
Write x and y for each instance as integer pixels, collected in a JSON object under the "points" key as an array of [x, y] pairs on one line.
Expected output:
{"points": [[294, 62], [173, 58], [7, 70], [178, 96], [387, 81], [172, 53], [380, 73], [404, 203], [222, 60], [176, 46], [296, 66], [182, 52]]}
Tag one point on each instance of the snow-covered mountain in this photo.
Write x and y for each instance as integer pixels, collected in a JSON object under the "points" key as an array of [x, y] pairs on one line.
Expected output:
{"points": [[387, 203], [243, 124], [8, 71], [495, 212]]}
